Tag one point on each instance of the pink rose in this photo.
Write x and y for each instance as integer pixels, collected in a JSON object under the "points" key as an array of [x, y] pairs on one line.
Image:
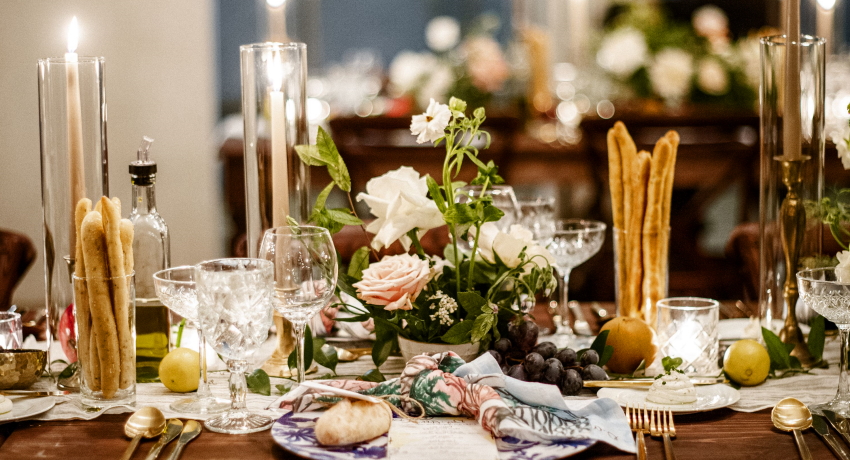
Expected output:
{"points": [[394, 281], [485, 63]]}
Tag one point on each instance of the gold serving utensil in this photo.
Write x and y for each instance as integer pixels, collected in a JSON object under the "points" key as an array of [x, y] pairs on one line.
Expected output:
{"points": [[147, 422], [646, 383], [172, 430], [791, 414], [841, 425], [190, 431], [638, 424], [351, 354]]}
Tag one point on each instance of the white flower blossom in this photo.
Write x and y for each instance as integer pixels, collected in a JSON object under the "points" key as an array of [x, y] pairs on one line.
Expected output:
{"points": [[712, 77], [436, 83], [670, 74], [841, 139], [399, 200], [842, 270], [622, 52], [509, 246], [445, 308], [409, 69], [442, 33], [431, 125]]}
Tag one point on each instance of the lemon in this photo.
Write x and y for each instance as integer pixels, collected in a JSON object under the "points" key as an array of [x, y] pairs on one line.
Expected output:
{"points": [[746, 362], [179, 370]]}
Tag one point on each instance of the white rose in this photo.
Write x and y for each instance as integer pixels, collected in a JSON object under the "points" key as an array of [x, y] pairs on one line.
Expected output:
{"points": [[399, 201], [712, 77], [622, 52], [842, 270], [709, 21], [508, 246], [670, 73], [839, 138], [442, 33]]}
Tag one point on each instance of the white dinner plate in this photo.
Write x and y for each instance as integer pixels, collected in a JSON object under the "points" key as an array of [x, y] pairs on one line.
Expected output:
{"points": [[709, 397], [733, 329], [23, 407]]}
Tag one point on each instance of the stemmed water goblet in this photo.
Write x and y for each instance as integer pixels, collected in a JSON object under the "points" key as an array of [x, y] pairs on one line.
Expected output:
{"points": [[573, 242], [175, 288], [235, 314], [538, 216], [503, 197], [827, 291], [305, 275]]}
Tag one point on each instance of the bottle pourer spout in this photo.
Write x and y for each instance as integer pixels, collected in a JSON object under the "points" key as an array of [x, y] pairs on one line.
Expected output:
{"points": [[143, 154]]}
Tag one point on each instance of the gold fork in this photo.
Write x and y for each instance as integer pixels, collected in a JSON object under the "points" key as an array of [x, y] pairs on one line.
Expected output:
{"points": [[661, 424], [638, 424]]}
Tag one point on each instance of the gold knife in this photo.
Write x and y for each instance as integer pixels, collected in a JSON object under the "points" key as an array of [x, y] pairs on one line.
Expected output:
{"points": [[646, 383]]}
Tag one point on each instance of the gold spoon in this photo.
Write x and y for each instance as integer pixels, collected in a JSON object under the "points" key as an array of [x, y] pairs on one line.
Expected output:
{"points": [[190, 431], [792, 415], [147, 422]]}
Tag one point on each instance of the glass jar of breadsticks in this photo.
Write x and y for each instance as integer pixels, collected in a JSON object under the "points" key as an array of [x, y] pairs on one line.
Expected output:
{"points": [[105, 299], [641, 188]]}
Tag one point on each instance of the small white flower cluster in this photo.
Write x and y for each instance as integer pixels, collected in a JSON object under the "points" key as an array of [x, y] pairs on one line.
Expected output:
{"points": [[444, 308]]}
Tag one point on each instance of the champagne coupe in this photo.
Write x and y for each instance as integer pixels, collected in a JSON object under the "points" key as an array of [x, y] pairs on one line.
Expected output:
{"points": [[827, 291], [573, 242], [305, 274], [235, 314], [175, 288]]}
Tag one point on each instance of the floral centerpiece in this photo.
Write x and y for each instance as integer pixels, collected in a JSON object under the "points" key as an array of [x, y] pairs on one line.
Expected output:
{"points": [[654, 57], [474, 292]]}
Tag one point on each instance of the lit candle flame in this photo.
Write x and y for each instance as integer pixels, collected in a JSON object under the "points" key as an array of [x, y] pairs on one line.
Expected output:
{"points": [[73, 35], [826, 4], [275, 3]]}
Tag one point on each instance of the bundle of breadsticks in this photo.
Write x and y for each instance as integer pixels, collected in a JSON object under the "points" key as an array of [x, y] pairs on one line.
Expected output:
{"points": [[106, 349], [641, 189]]}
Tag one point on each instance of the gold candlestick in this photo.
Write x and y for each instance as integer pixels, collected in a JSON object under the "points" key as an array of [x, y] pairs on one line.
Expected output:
{"points": [[792, 226], [278, 364]]}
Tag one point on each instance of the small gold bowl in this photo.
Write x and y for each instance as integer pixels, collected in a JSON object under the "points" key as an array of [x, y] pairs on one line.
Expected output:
{"points": [[21, 368]]}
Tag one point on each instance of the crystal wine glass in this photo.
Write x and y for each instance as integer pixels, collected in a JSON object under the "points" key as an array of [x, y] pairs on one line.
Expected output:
{"points": [[235, 314], [305, 274], [175, 288], [503, 197], [538, 216], [827, 291], [573, 242]]}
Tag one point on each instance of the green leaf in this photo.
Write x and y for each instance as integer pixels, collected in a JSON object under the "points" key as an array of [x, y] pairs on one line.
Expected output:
{"points": [[359, 262], [325, 354], [344, 216], [323, 197], [598, 344], [372, 375], [459, 333], [471, 302], [336, 166], [606, 355], [491, 214], [382, 347], [309, 154], [779, 358], [308, 352], [459, 213], [817, 337], [259, 382], [283, 389], [436, 193], [482, 326], [670, 364]]}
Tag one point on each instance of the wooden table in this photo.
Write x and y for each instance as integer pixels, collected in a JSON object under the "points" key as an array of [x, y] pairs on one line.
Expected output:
{"points": [[722, 434]]}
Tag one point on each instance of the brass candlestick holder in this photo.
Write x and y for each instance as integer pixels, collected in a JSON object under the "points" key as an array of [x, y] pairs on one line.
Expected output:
{"points": [[278, 364], [792, 227]]}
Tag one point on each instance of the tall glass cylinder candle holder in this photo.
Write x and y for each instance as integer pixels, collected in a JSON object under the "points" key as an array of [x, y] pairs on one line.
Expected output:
{"points": [[277, 182], [72, 123], [791, 176]]}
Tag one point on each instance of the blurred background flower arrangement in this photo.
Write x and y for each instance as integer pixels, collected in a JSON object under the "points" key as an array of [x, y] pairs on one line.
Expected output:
{"points": [[651, 56]]}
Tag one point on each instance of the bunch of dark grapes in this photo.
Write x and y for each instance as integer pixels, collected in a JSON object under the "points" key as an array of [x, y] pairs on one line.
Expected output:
{"points": [[544, 363]]}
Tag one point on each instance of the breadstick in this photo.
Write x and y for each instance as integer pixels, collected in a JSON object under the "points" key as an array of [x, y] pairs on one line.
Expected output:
{"points": [[120, 292], [652, 226], [638, 198], [673, 138], [81, 300], [615, 179], [100, 302], [628, 167], [94, 363], [127, 245]]}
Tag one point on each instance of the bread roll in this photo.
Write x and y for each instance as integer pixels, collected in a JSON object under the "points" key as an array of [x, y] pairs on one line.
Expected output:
{"points": [[350, 422]]}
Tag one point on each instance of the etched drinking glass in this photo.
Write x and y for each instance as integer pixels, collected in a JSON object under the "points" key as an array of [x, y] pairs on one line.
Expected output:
{"points": [[503, 197], [827, 291], [175, 288], [573, 242], [235, 314], [305, 274], [538, 216], [687, 329]]}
